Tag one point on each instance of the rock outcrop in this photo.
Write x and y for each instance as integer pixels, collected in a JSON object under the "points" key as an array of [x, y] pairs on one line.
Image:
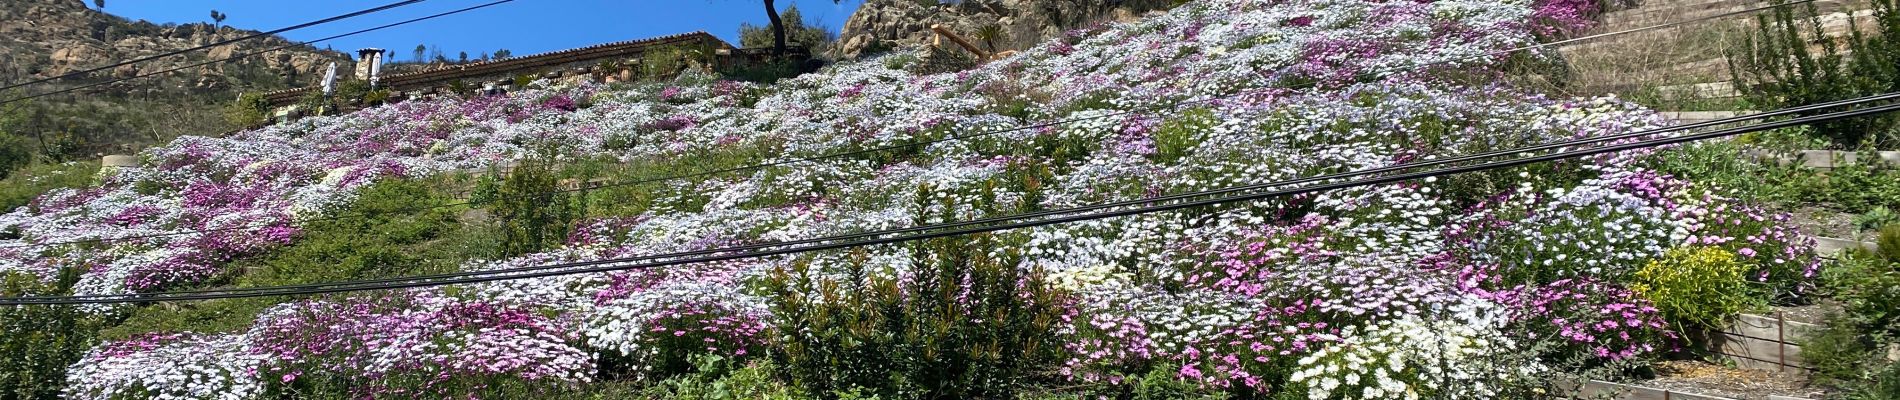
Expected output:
{"points": [[46, 38], [1015, 24]]}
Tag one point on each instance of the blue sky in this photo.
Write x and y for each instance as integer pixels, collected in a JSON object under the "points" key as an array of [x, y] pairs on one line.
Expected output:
{"points": [[523, 27]]}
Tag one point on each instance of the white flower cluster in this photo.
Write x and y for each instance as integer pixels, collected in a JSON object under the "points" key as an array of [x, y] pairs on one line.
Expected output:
{"points": [[1417, 357], [184, 367]]}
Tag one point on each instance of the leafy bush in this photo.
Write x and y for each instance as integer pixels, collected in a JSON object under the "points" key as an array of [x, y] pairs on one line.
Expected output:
{"points": [[1178, 136], [965, 323], [814, 37], [722, 379], [1886, 385], [1697, 286], [38, 342], [1781, 69], [1888, 245], [1868, 287], [534, 212], [1851, 349], [15, 152], [1876, 218], [1839, 352], [249, 110]]}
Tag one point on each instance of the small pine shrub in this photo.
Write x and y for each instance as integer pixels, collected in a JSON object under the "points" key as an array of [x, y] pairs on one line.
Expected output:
{"points": [[533, 211], [1838, 352], [1177, 136], [1780, 67], [1697, 286], [963, 323], [1888, 245]]}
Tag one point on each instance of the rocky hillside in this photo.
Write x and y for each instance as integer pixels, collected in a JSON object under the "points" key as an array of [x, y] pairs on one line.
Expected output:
{"points": [[1461, 287], [1019, 24], [46, 38]]}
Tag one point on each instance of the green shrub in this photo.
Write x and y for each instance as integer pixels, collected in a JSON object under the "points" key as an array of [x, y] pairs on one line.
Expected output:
{"points": [[38, 342], [1885, 385], [767, 72], [718, 379], [1888, 245], [1779, 68], [1876, 218], [533, 211], [964, 323], [1839, 352], [249, 110], [1177, 136], [1697, 286]]}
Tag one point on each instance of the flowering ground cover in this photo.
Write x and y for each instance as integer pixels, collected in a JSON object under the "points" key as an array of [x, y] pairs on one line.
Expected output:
{"points": [[1487, 285]]}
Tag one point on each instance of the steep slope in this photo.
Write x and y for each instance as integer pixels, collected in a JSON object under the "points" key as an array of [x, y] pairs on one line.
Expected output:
{"points": [[48, 38], [1459, 287]]}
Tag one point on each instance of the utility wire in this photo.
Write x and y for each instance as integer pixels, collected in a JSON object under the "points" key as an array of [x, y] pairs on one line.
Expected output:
{"points": [[1328, 182], [79, 74], [949, 138], [1134, 202], [255, 53]]}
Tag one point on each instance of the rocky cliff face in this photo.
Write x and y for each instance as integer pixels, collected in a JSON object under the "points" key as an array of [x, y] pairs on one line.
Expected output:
{"points": [[49, 38], [1017, 24], [44, 38]]}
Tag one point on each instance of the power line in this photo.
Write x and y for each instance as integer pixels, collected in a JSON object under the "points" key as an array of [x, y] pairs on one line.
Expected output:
{"points": [[1142, 201], [255, 53], [950, 138], [79, 74], [1337, 181]]}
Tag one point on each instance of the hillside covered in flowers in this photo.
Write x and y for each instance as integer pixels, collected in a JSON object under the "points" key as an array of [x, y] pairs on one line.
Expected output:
{"points": [[1499, 284]]}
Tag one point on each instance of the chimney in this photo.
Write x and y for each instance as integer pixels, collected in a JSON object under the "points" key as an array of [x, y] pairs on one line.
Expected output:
{"points": [[369, 64]]}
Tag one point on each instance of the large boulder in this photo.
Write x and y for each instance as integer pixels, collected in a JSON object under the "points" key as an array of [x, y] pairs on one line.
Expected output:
{"points": [[1020, 24]]}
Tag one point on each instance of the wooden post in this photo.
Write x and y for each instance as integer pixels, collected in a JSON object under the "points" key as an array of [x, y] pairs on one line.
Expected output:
{"points": [[945, 32], [1781, 342]]}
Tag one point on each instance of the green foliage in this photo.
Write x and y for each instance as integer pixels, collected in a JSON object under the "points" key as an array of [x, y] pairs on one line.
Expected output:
{"points": [[1888, 244], [15, 152], [38, 342], [521, 81], [667, 62], [20, 188], [1855, 187], [965, 323], [814, 37], [249, 110], [314, 103], [768, 72], [721, 379], [1851, 351], [1781, 68], [989, 34], [900, 61], [1697, 286], [1177, 136], [533, 212], [1885, 385], [1839, 353], [1877, 217]]}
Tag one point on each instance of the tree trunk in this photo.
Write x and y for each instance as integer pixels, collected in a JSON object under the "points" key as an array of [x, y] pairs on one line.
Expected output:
{"points": [[778, 29]]}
